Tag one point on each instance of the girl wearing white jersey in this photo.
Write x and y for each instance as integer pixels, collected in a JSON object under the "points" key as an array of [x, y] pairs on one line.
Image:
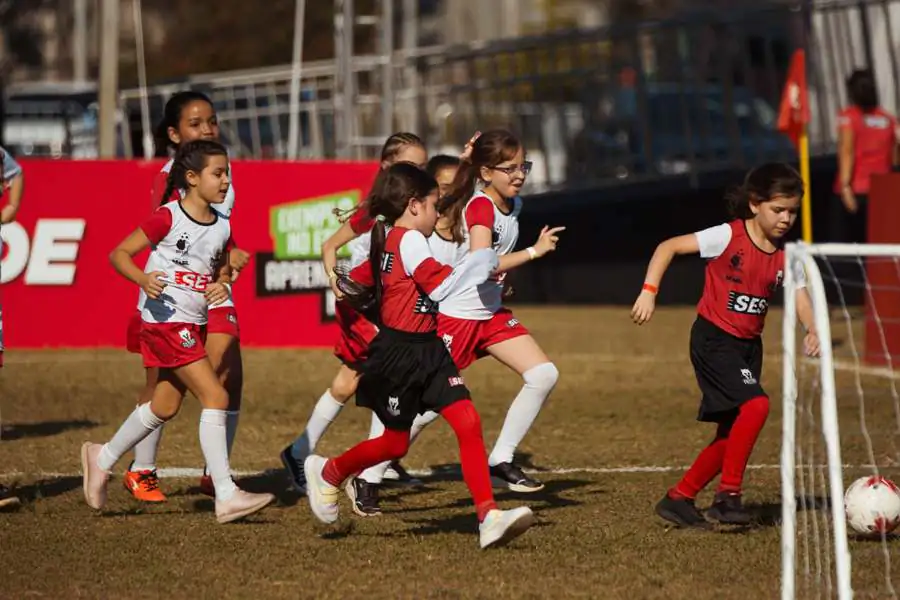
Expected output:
{"points": [[187, 272], [189, 116], [481, 210]]}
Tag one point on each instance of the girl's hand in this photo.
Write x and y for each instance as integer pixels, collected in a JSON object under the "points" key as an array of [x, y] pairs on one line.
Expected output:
{"points": [[217, 293], [8, 214], [238, 259], [547, 240], [153, 284], [643, 307], [811, 344], [467, 150], [849, 200], [333, 280]]}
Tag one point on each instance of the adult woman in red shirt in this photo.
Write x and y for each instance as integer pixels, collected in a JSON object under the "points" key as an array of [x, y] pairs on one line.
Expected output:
{"points": [[867, 145]]}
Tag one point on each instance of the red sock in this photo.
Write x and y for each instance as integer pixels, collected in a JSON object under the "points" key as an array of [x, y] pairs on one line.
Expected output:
{"points": [[706, 466], [391, 445], [744, 432], [466, 423]]}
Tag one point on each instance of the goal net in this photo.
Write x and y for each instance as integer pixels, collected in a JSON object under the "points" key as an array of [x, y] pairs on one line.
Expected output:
{"points": [[841, 418]]}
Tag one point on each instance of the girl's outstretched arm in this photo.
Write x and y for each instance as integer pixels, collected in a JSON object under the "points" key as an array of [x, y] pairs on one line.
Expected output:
{"points": [[645, 304]]}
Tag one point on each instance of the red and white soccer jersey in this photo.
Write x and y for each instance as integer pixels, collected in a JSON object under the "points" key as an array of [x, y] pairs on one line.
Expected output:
{"points": [[740, 279], [413, 282], [188, 252], [482, 302], [357, 332]]}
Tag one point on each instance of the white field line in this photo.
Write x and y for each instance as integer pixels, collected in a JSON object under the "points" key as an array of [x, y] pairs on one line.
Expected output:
{"points": [[190, 472]]}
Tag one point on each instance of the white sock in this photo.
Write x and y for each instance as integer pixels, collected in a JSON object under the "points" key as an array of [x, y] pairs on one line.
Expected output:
{"points": [[325, 412], [139, 424], [376, 429], [376, 474], [231, 423], [539, 382], [145, 451], [215, 451]]}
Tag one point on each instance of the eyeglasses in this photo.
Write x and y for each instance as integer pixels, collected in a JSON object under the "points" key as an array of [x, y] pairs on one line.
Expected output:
{"points": [[525, 168]]}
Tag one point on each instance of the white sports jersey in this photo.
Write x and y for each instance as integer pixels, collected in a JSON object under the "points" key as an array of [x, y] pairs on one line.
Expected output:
{"points": [[481, 302], [359, 249], [446, 251], [187, 252]]}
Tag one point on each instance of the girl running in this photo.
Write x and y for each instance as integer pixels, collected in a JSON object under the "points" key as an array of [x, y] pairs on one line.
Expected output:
{"points": [[745, 264], [408, 370], [190, 116], [481, 210], [187, 271]]}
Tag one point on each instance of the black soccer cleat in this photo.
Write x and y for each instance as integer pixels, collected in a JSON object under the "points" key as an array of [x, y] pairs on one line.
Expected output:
{"points": [[363, 497], [511, 476], [294, 469], [727, 508], [681, 511], [8, 500]]}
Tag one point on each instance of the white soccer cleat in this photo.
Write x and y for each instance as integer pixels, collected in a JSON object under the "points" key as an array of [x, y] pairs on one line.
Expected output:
{"points": [[240, 505], [94, 479], [323, 497], [502, 526]]}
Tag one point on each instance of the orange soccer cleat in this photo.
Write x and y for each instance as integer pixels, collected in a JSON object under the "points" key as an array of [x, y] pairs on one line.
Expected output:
{"points": [[144, 485]]}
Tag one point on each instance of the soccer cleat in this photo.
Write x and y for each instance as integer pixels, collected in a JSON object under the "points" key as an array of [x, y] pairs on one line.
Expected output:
{"points": [[294, 470], [8, 499], [502, 526], [727, 508], [681, 511], [143, 485], [323, 497], [510, 476], [94, 479], [396, 474], [240, 505], [207, 488], [363, 497]]}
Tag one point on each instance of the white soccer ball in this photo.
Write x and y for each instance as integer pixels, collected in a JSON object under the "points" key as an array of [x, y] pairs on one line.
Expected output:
{"points": [[872, 505]]}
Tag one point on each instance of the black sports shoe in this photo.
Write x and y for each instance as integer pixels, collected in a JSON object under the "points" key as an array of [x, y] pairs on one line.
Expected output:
{"points": [[509, 475], [397, 475], [294, 470], [727, 508], [7, 498], [363, 497], [681, 511]]}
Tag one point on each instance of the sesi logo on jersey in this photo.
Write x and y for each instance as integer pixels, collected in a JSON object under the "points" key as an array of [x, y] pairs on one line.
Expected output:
{"points": [[194, 281], [747, 304]]}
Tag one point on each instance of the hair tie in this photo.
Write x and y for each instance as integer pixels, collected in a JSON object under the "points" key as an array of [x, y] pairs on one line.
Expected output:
{"points": [[380, 218]]}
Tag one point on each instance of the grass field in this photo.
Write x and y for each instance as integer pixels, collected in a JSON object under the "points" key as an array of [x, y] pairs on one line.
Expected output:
{"points": [[617, 431]]}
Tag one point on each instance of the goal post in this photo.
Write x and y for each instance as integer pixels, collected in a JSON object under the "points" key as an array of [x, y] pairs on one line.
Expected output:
{"points": [[798, 255]]}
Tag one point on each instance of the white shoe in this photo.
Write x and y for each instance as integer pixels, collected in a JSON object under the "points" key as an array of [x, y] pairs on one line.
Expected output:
{"points": [[502, 526], [240, 505], [94, 479], [323, 497]]}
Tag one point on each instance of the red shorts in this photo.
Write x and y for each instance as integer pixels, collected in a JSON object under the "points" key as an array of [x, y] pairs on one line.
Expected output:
{"points": [[468, 340], [171, 345], [357, 332], [221, 320]]}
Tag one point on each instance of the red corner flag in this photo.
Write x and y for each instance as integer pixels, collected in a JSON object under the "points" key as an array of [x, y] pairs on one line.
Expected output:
{"points": [[793, 114]]}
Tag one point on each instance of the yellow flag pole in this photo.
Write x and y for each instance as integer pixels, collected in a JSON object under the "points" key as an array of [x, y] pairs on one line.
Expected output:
{"points": [[806, 205]]}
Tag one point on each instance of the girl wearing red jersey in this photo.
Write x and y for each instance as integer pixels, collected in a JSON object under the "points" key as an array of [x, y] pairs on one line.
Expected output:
{"points": [[408, 370], [745, 265], [190, 116], [356, 330], [186, 273]]}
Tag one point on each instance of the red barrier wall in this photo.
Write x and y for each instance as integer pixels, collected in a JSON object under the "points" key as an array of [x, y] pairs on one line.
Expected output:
{"points": [[884, 276], [59, 289]]}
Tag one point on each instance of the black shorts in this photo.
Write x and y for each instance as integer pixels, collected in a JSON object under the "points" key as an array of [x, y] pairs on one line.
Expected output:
{"points": [[407, 374], [727, 369]]}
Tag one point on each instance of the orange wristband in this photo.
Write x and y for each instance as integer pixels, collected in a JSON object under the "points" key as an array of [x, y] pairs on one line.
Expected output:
{"points": [[651, 288]]}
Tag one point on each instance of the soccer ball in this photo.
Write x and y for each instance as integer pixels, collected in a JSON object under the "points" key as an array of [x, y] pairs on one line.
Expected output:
{"points": [[872, 505]]}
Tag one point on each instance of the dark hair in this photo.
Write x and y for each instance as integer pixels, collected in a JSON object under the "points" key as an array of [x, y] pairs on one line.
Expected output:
{"points": [[172, 116], [490, 149], [762, 184], [387, 202], [397, 142], [441, 162], [191, 156], [862, 91]]}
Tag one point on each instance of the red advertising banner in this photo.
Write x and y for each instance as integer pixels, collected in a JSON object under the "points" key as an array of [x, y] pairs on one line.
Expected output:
{"points": [[59, 290]]}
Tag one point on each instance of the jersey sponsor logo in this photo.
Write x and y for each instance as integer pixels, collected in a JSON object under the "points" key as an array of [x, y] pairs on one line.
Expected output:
{"points": [[183, 245], [456, 381], [387, 262], [47, 257], [514, 322], [191, 280], [747, 304], [297, 230], [425, 305]]}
